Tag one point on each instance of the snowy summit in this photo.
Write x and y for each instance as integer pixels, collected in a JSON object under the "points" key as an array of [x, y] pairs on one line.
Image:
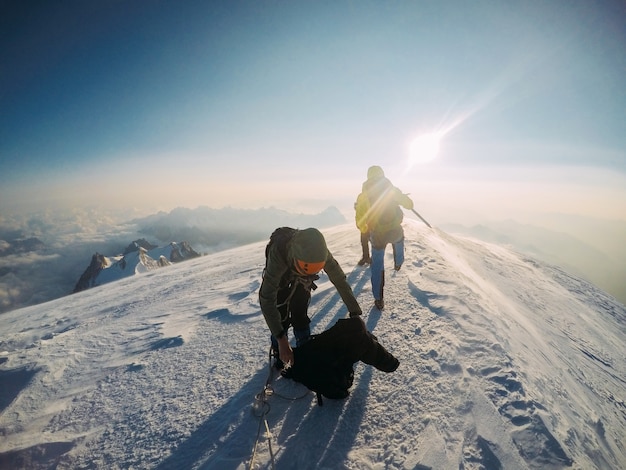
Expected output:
{"points": [[139, 257], [505, 362]]}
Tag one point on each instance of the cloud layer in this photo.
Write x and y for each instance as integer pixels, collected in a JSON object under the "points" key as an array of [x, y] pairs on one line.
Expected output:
{"points": [[31, 273]]}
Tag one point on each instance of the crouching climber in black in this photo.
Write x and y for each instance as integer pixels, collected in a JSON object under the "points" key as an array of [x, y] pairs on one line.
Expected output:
{"points": [[325, 364]]}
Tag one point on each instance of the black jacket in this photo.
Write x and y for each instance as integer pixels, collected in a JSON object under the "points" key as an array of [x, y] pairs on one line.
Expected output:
{"points": [[325, 363]]}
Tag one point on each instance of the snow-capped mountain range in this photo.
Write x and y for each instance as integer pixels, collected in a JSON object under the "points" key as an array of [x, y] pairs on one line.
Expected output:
{"points": [[140, 257], [505, 362]]}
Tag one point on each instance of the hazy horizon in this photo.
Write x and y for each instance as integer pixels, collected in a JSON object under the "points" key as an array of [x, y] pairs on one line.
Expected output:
{"points": [[115, 110], [588, 247], [248, 104]]}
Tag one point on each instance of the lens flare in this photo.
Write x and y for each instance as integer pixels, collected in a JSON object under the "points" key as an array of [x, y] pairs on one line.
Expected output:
{"points": [[424, 148]]}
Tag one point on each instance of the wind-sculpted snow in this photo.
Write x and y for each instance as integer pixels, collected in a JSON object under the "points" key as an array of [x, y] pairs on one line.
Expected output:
{"points": [[505, 362]]}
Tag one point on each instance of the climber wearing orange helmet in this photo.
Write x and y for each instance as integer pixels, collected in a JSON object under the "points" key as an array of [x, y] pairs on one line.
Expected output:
{"points": [[293, 260]]}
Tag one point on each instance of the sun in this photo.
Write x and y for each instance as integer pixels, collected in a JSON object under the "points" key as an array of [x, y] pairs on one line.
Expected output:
{"points": [[424, 148]]}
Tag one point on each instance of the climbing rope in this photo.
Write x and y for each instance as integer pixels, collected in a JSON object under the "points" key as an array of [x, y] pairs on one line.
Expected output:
{"points": [[260, 409], [308, 282]]}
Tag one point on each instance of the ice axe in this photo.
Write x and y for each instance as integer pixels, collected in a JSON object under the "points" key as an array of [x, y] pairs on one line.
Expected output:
{"points": [[421, 218]]}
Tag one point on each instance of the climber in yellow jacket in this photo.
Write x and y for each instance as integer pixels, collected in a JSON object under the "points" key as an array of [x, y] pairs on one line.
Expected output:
{"points": [[378, 213]]}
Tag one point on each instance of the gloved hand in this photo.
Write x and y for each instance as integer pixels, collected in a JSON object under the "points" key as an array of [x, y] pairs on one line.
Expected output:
{"points": [[355, 314]]}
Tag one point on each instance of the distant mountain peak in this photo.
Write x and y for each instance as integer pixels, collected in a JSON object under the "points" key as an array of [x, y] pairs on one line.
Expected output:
{"points": [[138, 257], [139, 243]]}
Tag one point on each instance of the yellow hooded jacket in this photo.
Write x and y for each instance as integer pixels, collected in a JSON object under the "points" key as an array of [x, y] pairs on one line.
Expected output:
{"points": [[377, 207]]}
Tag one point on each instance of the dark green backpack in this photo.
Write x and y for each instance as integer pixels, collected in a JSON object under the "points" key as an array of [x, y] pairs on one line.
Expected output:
{"points": [[280, 237]]}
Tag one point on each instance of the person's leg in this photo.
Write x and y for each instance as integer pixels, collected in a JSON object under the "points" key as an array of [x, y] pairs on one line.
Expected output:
{"points": [[299, 306], [378, 272], [398, 254], [365, 259], [379, 242], [365, 244]]}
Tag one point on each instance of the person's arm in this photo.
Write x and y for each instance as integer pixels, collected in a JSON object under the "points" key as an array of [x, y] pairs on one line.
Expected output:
{"points": [[361, 208], [403, 199], [338, 278], [274, 271], [268, 293], [284, 351]]}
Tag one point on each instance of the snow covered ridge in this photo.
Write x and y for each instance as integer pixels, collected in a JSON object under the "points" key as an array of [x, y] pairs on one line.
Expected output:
{"points": [[139, 257], [505, 362]]}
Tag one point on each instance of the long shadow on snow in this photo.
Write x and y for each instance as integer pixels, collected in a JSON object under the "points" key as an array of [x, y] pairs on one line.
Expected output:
{"points": [[357, 279], [13, 381], [237, 426], [334, 425], [327, 433], [424, 297]]}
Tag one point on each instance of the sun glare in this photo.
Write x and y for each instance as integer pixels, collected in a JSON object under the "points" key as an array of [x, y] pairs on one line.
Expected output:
{"points": [[424, 148]]}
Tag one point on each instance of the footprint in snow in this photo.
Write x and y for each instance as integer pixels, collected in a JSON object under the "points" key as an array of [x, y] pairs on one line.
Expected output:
{"points": [[478, 453]]}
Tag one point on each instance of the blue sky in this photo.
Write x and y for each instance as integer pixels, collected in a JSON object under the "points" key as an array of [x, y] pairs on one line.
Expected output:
{"points": [[244, 103]]}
